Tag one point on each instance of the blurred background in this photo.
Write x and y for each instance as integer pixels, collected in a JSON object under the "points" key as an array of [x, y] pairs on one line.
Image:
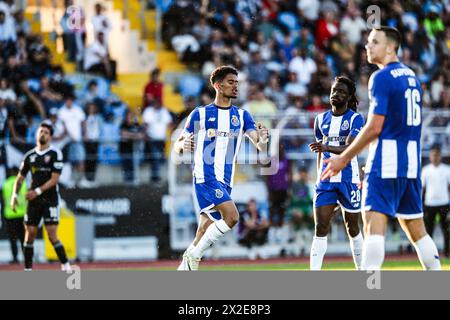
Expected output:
{"points": [[118, 79]]}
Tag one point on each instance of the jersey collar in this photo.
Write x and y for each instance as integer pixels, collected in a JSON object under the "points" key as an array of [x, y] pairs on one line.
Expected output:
{"points": [[42, 152]]}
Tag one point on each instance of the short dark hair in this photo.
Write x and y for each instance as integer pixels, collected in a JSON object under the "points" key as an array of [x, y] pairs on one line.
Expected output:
{"points": [[221, 72], [351, 86], [47, 124], [436, 147], [392, 34]]}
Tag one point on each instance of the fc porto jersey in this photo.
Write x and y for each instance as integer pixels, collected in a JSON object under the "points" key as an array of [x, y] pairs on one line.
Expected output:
{"points": [[219, 134], [396, 94], [333, 131]]}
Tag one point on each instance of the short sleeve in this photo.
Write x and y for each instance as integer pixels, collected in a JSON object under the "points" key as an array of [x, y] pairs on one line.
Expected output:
{"points": [[193, 118], [249, 123], [378, 94], [25, 166], [424, 176], [317, 132], [58, 162], [357, 125]]}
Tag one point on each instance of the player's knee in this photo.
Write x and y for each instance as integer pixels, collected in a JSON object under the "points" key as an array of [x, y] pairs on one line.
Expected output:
{"points": [[232, 220], [31, 235], [322, 229], [352, 228], [53, 239]]}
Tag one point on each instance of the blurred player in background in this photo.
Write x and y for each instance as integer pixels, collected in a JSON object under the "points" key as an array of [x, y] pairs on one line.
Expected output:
{"points": [[335, 130], [436, 183], [392, 186], [219, 128], [45, 164]]}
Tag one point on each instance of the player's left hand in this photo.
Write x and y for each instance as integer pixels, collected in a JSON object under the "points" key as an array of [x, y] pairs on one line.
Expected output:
{"points": [[263, 132], [31, 195], [335, 165]]}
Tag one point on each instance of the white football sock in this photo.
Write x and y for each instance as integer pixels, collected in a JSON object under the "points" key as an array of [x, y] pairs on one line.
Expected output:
{"points": [[373, 253], [318, 250], [428, 253], [356, 244], [215, 231], [191, 247]]}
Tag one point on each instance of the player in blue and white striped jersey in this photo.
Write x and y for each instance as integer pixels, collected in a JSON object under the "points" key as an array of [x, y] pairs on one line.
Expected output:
{"points": [[219, 129], [335, 130], [392, 186]]}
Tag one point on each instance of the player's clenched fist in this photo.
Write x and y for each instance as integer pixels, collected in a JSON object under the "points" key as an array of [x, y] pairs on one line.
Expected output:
{"points": [[189, 144], [263, 133]]}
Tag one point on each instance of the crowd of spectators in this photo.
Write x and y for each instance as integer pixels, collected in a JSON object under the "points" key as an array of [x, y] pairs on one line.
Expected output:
{"points": [[90, 123], [291, 50]]}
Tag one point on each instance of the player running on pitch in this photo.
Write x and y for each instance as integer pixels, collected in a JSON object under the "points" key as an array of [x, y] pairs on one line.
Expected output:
{"points": [[219, 128]]}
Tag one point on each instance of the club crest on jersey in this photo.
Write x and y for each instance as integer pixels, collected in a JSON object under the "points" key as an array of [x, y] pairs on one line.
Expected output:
{"points": [[47, 159], [235, 121], [345, 125], [219, 194], [211, 133]]}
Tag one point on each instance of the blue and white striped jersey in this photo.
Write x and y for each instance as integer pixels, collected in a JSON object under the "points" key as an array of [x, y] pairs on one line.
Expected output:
{"points": [[395, 93], [219, 135], [333, 131]]}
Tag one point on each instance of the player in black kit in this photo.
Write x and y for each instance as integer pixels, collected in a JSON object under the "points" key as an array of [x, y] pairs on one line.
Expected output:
{"points": [[45, 164]]}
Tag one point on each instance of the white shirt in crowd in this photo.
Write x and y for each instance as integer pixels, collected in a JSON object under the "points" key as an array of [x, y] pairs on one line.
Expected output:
{"points": [[8, 30], [94, 54], [310, 8], [93, 127], [353, 28], [7, 9], [73, 118], [436, 180], [101, 23], [304, 68], [8, 94], [157, 122]]}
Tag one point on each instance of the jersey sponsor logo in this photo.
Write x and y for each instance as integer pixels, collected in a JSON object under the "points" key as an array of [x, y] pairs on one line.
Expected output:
{"points": [[345, 125], [235, 121], [211, 133], [334, 139], [219, 194]]}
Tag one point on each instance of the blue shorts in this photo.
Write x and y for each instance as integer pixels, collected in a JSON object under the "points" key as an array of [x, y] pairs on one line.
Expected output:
{"points": [[396, 198], [346, 194], [209, 195]]}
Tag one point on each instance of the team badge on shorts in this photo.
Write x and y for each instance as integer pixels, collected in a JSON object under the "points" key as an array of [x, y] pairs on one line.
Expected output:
{"points": [[345, 125], [235, 121], [219, 194]]}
